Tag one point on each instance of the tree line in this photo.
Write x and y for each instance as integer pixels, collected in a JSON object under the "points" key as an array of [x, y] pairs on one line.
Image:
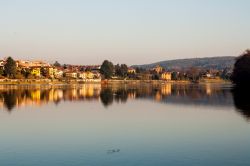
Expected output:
{"points": [[109, 70]]}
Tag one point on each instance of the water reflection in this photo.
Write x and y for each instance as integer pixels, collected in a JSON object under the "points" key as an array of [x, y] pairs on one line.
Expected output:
{"points": [[19, 96], [211, 95], [242, 100], [206, 95], [106, 96]]}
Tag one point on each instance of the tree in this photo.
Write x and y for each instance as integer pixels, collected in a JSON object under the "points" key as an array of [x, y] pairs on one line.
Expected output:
{"points": [[140, 70], [175, 75], [156, 76], [193, 74], [44, 72], [117, 69], [1, 71], [10, 68], [106, 96], [57, 64], [241, 72], [121, 70], [124, 70], [226, 73], [26, 72], [9, 100], [241, 100], [19, 75], [107, 69]]}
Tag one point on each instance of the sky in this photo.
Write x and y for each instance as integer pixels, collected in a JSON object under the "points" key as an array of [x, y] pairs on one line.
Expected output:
{"points": [[128, 31]]}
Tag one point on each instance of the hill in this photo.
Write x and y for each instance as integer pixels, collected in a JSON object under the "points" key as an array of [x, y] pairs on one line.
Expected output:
{"points": [[206, 63]]}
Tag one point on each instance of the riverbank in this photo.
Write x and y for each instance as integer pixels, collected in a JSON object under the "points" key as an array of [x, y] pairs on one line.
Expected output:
{"points": [[164, 81], [98, 81], [46, 81]]}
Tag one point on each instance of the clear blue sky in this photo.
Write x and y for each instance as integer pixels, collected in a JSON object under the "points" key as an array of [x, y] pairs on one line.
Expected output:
{"points": [[129, 31]]}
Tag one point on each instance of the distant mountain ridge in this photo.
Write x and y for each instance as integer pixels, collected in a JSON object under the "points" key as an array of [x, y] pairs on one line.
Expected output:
{"points": [[206, 63]]}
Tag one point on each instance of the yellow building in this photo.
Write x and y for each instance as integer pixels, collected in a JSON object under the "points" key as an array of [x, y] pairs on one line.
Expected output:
{"points": [[86, 75], [58, 73], [71, 74], [89, 75], [166, 76], [36, 71], [131, 70], [82, 75], [50, 71]]}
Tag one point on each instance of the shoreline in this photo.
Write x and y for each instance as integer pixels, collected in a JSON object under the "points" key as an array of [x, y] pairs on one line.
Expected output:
{"points": [[71, 82]]}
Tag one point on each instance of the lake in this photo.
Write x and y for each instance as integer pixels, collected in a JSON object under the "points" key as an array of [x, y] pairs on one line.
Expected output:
{"points": [[125, 125]]}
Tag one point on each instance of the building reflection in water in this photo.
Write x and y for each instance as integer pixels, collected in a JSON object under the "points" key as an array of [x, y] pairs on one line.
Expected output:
{"points": [[215, 95], [19, 96]]}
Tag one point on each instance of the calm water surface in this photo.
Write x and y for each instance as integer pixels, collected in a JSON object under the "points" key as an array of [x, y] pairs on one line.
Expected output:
{"points": [[125, 125]]}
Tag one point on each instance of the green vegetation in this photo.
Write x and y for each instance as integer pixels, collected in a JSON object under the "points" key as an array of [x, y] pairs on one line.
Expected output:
{"points": [[57, 64], [10, 68], [44, 72], [1, 72], [107, 69], [121, 70]]}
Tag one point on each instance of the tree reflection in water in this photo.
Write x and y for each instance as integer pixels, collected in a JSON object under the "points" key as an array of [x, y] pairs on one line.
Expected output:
{"points": [[242, 100], [211, 95], [106, 96], [9, 99]]}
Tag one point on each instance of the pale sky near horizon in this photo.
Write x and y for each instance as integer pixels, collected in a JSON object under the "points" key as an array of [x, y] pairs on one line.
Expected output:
{"points": [[129, 31]]}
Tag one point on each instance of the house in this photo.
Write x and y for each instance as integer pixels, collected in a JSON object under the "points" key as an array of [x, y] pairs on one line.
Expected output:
{"points": [[36, 71], [23, 64], [166, 76], [71, 74], [158, 69], [131, 70], [28, 64], [82, 75], [58, 73], [209, 74], [2, 64], [50, 71], [86, 75], [89, 75], [40, 64]]}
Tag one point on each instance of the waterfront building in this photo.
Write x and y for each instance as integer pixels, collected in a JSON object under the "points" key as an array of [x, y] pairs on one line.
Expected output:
{"points": [[131, 70], [158, 69], [166, 76], [82, 75], [1, 64], [36, 71], [71, 74]]}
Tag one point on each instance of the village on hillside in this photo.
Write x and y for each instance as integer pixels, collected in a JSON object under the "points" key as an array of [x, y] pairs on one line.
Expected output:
{"points": [[13, 70]]}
